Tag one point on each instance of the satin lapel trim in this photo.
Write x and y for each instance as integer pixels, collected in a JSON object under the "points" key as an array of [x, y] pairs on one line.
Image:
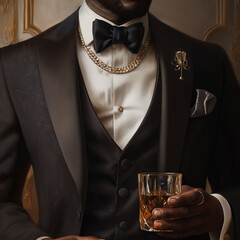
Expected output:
{"points": [[58, 70], [176, 97]]}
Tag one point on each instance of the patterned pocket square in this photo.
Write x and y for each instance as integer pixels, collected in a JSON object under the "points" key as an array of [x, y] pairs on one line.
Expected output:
{"points": [[204, 105]]}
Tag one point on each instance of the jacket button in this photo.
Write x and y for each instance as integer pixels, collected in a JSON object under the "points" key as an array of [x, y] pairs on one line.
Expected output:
{"points": [[124, 226], [123, 193], [125, 164]]}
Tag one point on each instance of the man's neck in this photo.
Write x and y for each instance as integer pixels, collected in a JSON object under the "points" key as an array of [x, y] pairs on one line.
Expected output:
{"points": [[105, 13]]}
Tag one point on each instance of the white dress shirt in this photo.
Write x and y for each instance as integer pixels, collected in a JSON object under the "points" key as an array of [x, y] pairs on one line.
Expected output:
{"points": [[132, 91]]}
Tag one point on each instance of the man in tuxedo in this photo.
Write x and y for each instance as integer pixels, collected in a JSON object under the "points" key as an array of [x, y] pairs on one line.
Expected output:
{"points": [[106, 94]]}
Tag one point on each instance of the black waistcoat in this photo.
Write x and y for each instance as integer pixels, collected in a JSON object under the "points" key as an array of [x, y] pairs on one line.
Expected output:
{"points": [[112, 206]]}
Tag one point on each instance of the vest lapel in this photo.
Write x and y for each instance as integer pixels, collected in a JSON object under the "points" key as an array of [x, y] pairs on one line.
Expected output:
{"points": [[176, 95], [58, 66]]}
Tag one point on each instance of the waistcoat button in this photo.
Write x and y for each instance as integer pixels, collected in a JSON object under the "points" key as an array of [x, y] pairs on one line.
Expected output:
{"points": [[123, 192], [125, 164], [123, 226]]}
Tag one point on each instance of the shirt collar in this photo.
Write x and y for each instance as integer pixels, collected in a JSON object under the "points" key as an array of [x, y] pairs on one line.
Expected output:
{"points": [[87, 16]]}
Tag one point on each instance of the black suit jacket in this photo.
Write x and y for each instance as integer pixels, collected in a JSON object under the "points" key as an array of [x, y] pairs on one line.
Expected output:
{"points": [[41, 124]]}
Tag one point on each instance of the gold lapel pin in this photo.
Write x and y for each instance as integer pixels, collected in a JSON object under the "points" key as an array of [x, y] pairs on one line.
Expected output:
{"points": [[180, 62]]}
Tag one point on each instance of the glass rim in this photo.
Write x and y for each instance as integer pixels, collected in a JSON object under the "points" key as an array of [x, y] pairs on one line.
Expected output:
{"points": [[176, 174]]}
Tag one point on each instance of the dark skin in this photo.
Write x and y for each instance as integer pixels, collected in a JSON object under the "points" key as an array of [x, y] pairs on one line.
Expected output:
{"points": [[185, 217], [75, 238], [120, 11]]}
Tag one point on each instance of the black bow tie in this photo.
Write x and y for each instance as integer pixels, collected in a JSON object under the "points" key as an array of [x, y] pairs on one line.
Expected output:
{"points": [[105, 35]]}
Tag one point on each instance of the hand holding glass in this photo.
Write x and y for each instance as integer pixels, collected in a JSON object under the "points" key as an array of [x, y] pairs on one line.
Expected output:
{"points": [[154, 191]]}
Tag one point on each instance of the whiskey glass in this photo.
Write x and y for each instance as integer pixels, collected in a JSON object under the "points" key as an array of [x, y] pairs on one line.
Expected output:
{"points": [[154, 190]]}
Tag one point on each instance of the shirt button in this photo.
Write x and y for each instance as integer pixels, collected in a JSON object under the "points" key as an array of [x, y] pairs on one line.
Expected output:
{"points": [[123, 193], [124, 226], [125, 164], [120, 109]]}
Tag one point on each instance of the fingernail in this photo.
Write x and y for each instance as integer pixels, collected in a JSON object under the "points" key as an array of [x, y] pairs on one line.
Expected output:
{"points": [[156, 212], [157, 225], [174, 197], [172, 201]]}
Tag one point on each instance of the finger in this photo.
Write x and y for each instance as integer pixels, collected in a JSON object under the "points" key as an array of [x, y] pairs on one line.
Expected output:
{"points": [[193, 197], [76, 238], [88, 238], [174, 213], [178, 225], [186, 188], [181, 234]]}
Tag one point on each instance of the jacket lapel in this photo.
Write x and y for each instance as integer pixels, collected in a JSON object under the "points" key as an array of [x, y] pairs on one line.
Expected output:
{"points": [[58, 66], [176, 95]]}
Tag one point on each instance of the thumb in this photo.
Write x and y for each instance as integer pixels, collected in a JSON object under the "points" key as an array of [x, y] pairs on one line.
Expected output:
{"points": [[186, 188], [89, 238]]}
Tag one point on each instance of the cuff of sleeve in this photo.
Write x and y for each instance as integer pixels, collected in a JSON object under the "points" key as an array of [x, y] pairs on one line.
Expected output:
{"points": [[41, 238], [227, 213]]}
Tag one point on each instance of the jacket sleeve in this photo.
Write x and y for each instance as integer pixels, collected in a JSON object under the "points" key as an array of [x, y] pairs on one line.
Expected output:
{"points": [[225, 169], [15, 223]]}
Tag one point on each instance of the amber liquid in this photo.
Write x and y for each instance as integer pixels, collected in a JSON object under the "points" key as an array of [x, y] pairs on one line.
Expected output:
{"points": [[147, 204]]}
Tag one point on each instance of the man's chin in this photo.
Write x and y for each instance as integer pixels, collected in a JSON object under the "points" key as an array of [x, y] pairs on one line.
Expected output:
{"points": [[134, 8], [130, 3], [126, 9], [133, 4]]}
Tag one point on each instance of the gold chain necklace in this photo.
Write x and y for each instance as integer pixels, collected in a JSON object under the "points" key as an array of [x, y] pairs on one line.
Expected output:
{"points": [[130, 67]]}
